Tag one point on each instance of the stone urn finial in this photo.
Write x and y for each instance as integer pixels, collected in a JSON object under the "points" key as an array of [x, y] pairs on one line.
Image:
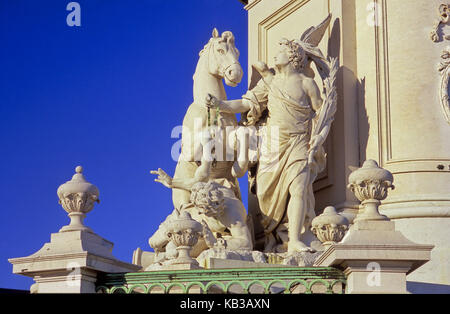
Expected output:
{"points": [[184, 233], [329, 227], [370, 184], [77, 197]]}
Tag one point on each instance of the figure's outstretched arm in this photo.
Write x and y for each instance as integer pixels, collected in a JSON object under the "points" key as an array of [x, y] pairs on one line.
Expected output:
{"points": [[201, 175], [264, 75], [228, 106], [240, 166]]}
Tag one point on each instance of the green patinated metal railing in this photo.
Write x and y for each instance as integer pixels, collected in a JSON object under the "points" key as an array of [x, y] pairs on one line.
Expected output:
{"points": [[268, 280]]}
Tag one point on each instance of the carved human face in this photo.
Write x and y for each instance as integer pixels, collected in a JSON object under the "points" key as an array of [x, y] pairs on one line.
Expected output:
{"points": [[208, 199], [282, 57], [290, 53]]}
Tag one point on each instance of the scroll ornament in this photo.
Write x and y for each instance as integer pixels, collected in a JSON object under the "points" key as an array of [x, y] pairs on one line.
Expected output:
{"points": [[444, 69], [444, 15]]}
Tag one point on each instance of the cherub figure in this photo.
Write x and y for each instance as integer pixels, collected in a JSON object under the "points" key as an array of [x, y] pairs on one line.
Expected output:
{"points": [[215, 206]]}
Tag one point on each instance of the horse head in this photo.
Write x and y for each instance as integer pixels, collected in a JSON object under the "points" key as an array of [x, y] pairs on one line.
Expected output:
{"points": [[223, 58]]}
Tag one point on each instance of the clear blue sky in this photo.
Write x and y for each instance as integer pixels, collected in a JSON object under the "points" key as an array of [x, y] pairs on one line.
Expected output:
{"points": [[106, 96]]}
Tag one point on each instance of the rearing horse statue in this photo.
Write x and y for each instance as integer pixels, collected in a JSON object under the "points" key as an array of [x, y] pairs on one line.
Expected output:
{"points": [[219, 60]]}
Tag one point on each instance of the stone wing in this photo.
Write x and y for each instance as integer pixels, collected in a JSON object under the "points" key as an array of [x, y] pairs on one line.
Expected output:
{"points": [[314, 34]]}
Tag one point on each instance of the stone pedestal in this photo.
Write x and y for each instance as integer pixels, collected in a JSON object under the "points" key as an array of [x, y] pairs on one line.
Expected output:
{"points": [[183, 232], [72, 260], [375, 257], [70, 263], [434, 276]]}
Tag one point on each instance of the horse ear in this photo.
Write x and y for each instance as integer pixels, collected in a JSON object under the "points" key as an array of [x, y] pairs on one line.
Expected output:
{"points": [[215, 33], [228, 36]]}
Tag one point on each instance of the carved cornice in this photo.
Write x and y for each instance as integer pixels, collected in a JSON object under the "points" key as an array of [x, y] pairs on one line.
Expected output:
{"points": [[250, 5]]}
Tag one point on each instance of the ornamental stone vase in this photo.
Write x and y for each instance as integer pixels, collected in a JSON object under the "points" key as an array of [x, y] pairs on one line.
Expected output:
{"points": [[77, 197], [370, 184], [184, 233], [329, 227]]}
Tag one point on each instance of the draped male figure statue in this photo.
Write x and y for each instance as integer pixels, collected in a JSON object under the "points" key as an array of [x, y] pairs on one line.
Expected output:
{"points": [[296, 126]]}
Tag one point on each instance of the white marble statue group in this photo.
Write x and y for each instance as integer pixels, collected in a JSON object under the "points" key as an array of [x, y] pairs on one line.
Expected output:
{"points": [[290, 117]]}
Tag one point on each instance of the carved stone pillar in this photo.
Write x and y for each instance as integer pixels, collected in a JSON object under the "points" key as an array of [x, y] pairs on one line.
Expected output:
{"points": [[374, 255], [403, 125], [75, 255]]}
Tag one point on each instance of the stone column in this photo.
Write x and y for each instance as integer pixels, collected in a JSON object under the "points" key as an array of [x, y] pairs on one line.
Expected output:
{"points": [[403, 123], [75, 255]]}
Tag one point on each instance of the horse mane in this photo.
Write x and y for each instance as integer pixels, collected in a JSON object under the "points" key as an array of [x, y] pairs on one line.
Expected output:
{"points": [[205, 48]]}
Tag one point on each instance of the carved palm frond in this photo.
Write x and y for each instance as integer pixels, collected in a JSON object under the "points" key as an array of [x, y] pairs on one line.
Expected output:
{"points": [[326, 113]]}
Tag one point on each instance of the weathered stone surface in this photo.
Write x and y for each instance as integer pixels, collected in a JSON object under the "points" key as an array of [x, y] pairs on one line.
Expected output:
{"points": [[239, 255]]}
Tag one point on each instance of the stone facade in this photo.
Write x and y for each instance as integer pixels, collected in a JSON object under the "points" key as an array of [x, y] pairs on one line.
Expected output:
{"points": [[391, 108]]}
